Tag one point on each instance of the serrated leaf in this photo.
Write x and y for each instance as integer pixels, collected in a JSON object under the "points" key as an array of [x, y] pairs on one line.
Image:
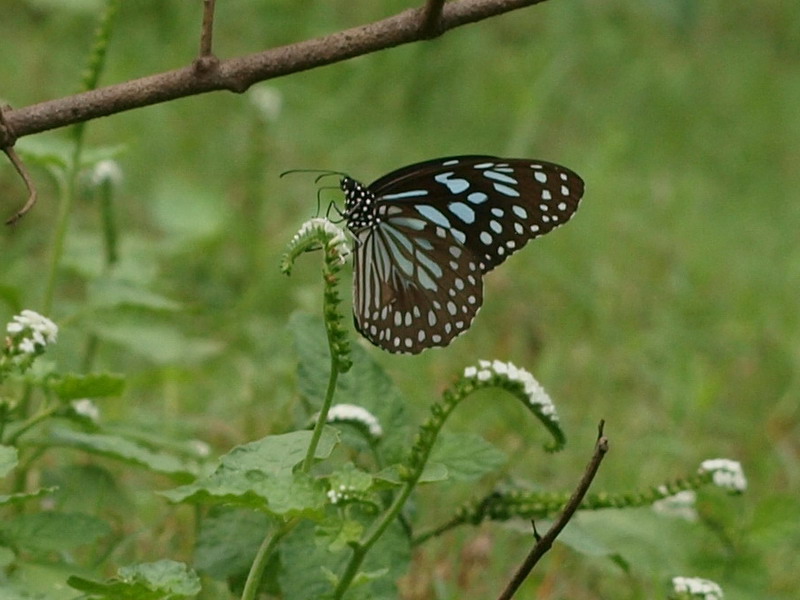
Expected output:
{"points": [[161, 580], [94, 385], [8, 459], [125, 450], [279, 453], [284, 495], [52, 531], [466, 456], [259, 475], [366, 384]]}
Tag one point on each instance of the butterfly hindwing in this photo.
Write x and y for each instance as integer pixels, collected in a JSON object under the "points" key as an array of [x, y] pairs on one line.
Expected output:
{"points": [[406, 296]]}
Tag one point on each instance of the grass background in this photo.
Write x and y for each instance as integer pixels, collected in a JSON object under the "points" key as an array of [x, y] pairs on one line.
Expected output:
{"points": [[669, 306]]}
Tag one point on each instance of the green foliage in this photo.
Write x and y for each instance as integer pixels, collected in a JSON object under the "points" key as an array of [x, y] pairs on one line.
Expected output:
{"points": [[162, 580], [668, 307]]}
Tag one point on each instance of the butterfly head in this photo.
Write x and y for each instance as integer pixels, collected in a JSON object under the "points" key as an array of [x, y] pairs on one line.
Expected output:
{"points": [[359, 206]]}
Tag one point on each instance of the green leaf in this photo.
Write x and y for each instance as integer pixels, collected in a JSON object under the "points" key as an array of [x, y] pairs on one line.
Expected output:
{"points": [[309, 569], [23, 496], [161, 343], [228, 541], [94, 385], [109, 292], [279, 453], [8, 459], [365, 384], [287, 495], [466, 456], [52, 531], [161, 580], [125, 450], [259, 475]]}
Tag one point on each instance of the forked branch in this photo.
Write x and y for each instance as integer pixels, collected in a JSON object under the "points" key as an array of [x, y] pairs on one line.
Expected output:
{"points": [[545, 542], [238, 74]]}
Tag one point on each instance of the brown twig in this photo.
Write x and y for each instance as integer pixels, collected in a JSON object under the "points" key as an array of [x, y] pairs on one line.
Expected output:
{"points": [[545, 542], [8, 134], [208, 28], [23, 172], [238, 74], [431, 16]]}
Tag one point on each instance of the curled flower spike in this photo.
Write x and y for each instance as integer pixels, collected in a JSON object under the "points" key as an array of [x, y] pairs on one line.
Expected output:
{"points": [[357, 416], [311, 233], [695, 587], [726, 473], [522, 384]]}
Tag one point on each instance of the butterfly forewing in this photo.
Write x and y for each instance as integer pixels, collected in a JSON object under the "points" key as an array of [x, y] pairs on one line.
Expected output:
{"points": [[493, 205], [427, 232]]}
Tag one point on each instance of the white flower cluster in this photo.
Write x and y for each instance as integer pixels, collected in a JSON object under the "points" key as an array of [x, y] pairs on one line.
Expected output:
{"points": [[695, 586], [336, 235], [340, 494], [87, 409], [268, 101], [681, 505], [107, 171], [537, 396], [30, 332], [727, 473], [359, 414]]}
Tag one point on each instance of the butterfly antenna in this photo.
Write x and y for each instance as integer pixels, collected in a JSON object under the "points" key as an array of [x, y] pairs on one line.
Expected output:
{"points": [[322, 173]]}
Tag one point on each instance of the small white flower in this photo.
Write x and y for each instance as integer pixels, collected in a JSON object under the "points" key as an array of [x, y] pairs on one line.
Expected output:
{"points": [[268, 100], [359, 414], [44, 331], [26, 346], [339, 494], [701, 588], [86, 408], [106, 171], [727, 473], [681, 505], [200, 448]]}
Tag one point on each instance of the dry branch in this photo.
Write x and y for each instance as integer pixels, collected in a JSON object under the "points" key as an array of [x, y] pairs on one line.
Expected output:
{"points": [[238, 74]]}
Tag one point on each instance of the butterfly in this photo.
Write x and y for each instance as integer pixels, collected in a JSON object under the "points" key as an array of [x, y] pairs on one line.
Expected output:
{"points": [[426, 234]]}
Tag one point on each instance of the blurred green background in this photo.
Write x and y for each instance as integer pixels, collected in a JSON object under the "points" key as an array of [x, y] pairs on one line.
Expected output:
{"points": [[668, 306]]}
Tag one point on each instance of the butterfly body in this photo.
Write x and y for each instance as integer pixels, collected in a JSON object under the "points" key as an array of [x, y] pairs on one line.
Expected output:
{"points": [[426, 233]]}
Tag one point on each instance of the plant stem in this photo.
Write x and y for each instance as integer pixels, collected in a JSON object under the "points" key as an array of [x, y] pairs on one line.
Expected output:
{"points": [[262, 557]]}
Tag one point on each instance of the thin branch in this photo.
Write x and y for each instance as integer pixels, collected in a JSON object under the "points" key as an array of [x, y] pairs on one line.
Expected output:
{"points": [[208, 29], [431, 15], [23, 172], [9, 134], [238, 74], [545, 542]]}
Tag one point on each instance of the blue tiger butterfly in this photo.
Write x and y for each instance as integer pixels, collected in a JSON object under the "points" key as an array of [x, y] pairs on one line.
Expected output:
{"points": [[426, 234]]}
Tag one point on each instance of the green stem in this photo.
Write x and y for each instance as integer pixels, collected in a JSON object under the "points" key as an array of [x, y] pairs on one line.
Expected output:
{"points": [[373, 535], [262, 557], [323, 415]]}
